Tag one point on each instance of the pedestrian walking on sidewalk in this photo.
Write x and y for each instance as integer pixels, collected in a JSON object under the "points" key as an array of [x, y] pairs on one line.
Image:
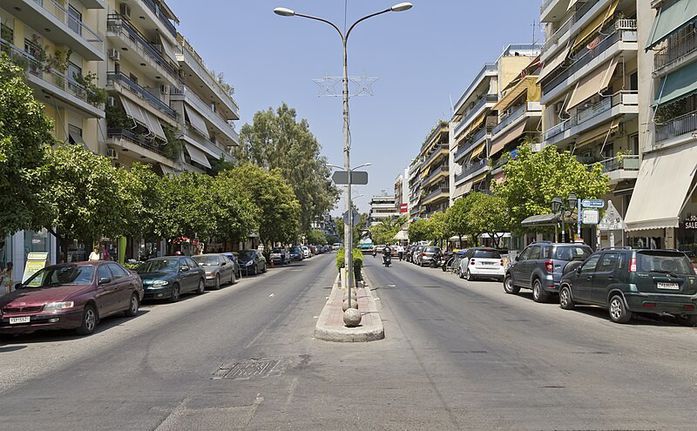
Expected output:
{"points": [[95, 254], [400, 251], [6, 283]]}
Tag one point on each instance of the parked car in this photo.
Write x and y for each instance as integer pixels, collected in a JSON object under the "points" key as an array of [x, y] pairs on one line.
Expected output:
{"points": [[481, 262], [279, 256], [626, 282], [429, 256], [336, 246], [306, 252], [71, 296], [252, 261], [219, 270], [235, 262], [540, 267], [296, 254], [416, 255], [171, 276]]}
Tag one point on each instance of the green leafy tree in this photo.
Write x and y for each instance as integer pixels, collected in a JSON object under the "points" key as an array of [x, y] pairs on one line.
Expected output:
{"points": [[187, 206], [235, 212], [278, 208], [533, 179], [142, 193], [457, 217], [317, 237], [439, 229], [385, 231], [25, 136], [488, 214], [420, 230], [277, 140], [82, 195]]}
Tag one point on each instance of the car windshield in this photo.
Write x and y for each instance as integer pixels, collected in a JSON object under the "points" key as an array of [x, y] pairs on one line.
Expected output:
{"points": [[52, 276], [669, 263], [570, 253], [432, 250], [487, 254], [158, 265], [246, 255], [207, 260]]}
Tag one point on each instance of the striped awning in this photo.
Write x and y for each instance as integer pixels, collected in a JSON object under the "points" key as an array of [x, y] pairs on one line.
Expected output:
{"points": [[670, 19], [594, 26], [198, 156]]}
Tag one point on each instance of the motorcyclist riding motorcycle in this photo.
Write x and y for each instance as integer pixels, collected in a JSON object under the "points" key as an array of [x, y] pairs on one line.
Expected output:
{"points": [[387, 256]]}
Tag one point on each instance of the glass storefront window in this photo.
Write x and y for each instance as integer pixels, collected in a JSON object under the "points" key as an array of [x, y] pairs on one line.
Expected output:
{"points": [[35, 241]]}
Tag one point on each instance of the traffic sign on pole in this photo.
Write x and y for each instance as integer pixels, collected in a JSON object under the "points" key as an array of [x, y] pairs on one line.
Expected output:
{"points": [[358, 178], [593, 203]]}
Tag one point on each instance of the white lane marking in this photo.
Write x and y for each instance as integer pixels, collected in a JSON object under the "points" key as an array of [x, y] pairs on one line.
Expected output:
{"points": [[272, 295]]}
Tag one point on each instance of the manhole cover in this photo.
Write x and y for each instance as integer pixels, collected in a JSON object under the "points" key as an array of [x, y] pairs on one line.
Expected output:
{"points": [[246, 370]]}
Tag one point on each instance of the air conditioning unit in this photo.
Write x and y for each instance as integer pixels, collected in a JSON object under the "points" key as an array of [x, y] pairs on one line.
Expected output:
{"points": [[164, 89], [112, 154], [114, 54], [125, 10], [111, 101]]}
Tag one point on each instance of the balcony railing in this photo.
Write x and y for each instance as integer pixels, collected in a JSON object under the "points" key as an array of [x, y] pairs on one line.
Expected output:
{"points": [[436, 192], [464, 147], [675, 51], [435, 173], [628, 98], [625, 30], [678, 126], [470, 169], [118, 24], [559, 33], [627, 163], [153, 100], [489, 98], [194, 134], [437, 152], [76, 26], [35, 68], [510, 118], [217, 120], [156, 10], [137, 139]]}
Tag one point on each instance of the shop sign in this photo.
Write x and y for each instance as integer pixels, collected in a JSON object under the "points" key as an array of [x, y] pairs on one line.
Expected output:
{"points": [[591, 216], [690, 222], [35, 263]]}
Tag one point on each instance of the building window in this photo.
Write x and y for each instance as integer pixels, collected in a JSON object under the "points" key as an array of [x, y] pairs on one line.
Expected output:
{"points": [[7, 33], [634, 144], [133, 78], [74, 20], [74, 71], [634, 81], [74, 135]]}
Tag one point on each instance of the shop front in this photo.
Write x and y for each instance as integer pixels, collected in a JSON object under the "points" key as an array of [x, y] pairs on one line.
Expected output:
{"points": [[15, 248]]}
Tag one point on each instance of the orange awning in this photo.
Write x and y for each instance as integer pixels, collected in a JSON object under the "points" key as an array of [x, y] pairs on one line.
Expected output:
{"points": [[594, 26], [508, 137], [592, 83]]}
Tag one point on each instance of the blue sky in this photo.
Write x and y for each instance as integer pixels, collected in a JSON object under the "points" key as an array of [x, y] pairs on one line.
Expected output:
{"points": [[422, 58]]}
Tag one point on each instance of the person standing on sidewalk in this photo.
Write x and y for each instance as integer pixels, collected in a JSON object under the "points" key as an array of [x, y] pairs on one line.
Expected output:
{"points": [[400, 251], [6, 283]]}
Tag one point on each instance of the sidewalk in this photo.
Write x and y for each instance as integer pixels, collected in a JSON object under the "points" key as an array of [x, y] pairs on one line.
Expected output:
{"points": [[330, 324]]}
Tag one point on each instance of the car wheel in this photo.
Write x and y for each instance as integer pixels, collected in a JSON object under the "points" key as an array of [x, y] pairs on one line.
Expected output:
{"points": [[468, 276], [201, 287], [89, 320], [266, 268], [133, 306], [618, 310], [565, 300], [538, 292], [174, 297], [509, 287], [692, 320], [232, 278], [256, 270], [217, 282]]}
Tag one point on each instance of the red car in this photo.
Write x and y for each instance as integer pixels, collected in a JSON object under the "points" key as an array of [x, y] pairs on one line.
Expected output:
{"points": [[70, 296]]}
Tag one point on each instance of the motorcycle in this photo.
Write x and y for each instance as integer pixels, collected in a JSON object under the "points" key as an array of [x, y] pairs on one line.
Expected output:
{"points": [[387, 260], [446, 261]]}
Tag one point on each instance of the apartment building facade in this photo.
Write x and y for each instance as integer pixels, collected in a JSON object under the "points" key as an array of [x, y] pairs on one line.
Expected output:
{"points": [[382, 208], [414, 186], [435, 184], [401, 193], [76, 50], [475, 117]]}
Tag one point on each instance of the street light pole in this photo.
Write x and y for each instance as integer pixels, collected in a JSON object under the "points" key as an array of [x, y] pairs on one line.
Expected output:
{"points": [[348, 228]]}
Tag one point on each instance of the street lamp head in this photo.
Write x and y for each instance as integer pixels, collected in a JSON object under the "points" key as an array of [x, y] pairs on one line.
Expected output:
{"points": [[573, 200], [556, 205], [284, 11], [401, 7]]}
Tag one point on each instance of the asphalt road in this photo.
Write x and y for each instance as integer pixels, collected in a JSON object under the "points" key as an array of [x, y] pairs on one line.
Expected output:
{"points": [[457, 355]]}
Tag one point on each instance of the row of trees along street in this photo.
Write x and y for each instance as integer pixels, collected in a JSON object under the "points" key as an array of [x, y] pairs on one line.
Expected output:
{"points": [[276, 187], [532, 180]]}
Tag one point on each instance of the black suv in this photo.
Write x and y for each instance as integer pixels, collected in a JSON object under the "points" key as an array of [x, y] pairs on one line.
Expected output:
{"points": [[540, 267], [627, 281]]}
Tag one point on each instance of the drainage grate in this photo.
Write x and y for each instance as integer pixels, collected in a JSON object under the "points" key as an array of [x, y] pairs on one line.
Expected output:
{"points": [[246, 370]]}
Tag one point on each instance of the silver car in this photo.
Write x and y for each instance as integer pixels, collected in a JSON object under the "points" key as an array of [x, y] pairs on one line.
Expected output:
{"points": [[219, 269]]}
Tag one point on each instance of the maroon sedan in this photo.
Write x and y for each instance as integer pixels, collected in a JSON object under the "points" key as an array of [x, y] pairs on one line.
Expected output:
{"points": [[70, 296]]}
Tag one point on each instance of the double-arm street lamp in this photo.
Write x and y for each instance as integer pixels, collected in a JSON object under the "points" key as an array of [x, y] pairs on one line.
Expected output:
{"points": [[559, 206], [348, 237]]}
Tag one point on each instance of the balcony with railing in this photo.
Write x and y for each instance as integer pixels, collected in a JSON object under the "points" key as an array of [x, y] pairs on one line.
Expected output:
{"points": [[472, 112], [54, 82], [465, 147], [206, 145], [435, 173], [471, 169], [123, 28], [65, 28], [153, 100], [586, 114], [435, 194], [624, 30], [190, 57], [141, 145], [678, 126], [676, 51], [225, 127], [517, 114], [438, 151], [161, 16]]}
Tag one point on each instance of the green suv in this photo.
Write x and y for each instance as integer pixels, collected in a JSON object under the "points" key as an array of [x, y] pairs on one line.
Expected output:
{"points": [[626, 281]]}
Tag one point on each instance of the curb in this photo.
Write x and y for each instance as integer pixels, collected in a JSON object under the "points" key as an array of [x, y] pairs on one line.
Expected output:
{"points": [[330, 324]]}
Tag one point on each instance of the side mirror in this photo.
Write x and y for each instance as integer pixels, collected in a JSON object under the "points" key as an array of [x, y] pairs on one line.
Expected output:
{"points": [[578, 269], [18, 286], [517, 258], [223, 264], [104, 280], [184, 268]]}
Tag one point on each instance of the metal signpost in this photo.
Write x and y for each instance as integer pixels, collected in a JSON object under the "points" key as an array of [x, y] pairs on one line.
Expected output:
{"points": [[358, 178]]}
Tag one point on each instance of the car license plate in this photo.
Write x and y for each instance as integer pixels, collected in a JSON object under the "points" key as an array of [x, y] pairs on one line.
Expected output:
{"points": [[15, 320], [668, 286]]}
